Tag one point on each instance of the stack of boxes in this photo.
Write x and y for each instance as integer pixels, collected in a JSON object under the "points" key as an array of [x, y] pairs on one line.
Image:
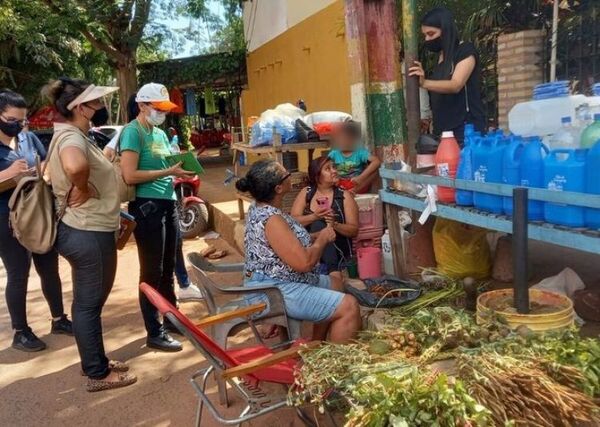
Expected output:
{"points": [[370, 222]]}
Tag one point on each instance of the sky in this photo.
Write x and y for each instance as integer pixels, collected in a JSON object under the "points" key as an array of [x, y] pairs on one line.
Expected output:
{"points": [[191, 47]]}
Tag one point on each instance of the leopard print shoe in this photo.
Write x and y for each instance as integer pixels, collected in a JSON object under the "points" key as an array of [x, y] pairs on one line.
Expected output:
{"points": [[125, 379]]}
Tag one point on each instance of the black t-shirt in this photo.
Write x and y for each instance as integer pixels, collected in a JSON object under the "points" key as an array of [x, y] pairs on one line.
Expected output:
{"points": [[451, 111]]}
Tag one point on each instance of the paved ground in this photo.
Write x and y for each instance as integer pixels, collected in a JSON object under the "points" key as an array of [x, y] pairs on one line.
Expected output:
{"points": [[46, 388]]}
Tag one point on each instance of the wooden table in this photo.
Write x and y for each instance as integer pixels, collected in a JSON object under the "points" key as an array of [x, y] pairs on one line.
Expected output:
{"points": [[274, 151]]}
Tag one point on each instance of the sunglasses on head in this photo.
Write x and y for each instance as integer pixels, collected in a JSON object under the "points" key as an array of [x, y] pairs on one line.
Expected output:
{"points": [[286, 176]]}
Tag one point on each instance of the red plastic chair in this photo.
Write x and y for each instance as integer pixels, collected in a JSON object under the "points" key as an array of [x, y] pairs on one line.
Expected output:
{"points": [[243, 368]]}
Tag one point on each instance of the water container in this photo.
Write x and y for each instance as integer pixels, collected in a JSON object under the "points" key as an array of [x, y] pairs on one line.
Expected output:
{"points": [[531, 172], [591, 134], [564, 170], [487, 167], [446, 163], [566, 137], [592, 185], [369, 263], [388, 258], [542, 117], [465, 171], [511, 173]]}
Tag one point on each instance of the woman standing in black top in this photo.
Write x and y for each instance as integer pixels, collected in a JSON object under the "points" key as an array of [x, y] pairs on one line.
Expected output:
{"points": [[454, 84]]}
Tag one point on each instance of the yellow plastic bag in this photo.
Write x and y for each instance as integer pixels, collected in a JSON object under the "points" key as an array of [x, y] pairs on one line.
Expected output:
{"points": [[461, 250]]}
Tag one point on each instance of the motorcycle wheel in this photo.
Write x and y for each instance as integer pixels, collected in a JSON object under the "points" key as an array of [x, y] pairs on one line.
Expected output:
{"points": [[193, 220]]}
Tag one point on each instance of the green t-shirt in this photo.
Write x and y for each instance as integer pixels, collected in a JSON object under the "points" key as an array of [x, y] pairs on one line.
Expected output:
{"points": [[153, 155]]}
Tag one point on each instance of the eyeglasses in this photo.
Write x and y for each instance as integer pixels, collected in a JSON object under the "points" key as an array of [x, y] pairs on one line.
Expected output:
{"points": [[23, 122], [286, 176]]}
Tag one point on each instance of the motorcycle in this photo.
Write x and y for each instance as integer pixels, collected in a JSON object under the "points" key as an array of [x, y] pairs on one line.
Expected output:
{"points": [[192, 210]]}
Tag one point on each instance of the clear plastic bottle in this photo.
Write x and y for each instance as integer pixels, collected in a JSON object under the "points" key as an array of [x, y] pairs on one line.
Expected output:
{"points": [[566, 137], [591, 134]]}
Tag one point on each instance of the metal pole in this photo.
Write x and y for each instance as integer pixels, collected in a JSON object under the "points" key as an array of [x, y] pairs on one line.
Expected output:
{"points": [[411, 54], [520, 250], [554, 42]]}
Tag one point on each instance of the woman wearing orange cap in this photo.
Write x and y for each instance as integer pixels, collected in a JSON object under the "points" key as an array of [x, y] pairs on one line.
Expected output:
{"points": [[145, 148]]}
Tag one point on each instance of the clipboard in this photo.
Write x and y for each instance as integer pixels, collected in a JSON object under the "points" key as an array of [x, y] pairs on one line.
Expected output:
{"points": [[188, 162]]}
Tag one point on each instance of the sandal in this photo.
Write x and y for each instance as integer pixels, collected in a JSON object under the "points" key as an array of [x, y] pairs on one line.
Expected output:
{"points": [[125, 379], [217, 254], [113, 365]]}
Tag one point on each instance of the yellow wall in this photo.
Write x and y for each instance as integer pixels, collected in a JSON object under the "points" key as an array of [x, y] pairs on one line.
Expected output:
{"points": [[309, 61]]}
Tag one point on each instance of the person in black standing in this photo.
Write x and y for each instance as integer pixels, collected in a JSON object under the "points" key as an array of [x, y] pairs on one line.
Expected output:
{"points": [[18, 153], [454, 84]]}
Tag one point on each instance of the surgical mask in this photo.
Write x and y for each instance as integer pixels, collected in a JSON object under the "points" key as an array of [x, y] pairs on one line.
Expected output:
{"points": [[100, 117], [156, 118], [434, 45], [10, 129]]}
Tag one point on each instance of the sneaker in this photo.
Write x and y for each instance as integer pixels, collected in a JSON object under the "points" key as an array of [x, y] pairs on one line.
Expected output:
{"points": [[62, 326], [26, 340], [164, 342], [191, 293]]}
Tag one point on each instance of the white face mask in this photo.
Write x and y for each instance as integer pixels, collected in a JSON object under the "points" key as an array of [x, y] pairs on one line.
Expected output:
{"points": [[156, 118]]}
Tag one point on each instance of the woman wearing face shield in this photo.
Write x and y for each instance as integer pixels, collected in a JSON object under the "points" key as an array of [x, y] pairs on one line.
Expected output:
{"points": [[454, 84], [144, 149], [85, 181]]}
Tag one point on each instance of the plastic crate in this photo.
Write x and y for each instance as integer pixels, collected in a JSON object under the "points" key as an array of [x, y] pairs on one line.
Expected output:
{"points": [[370, 211]]}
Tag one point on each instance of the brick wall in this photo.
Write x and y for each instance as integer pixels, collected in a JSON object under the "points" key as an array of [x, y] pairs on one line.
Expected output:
{"points": [[519, 69]]}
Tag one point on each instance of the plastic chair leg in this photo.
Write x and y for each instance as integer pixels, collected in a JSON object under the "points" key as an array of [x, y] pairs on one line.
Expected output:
{"points": [[221, 333]]}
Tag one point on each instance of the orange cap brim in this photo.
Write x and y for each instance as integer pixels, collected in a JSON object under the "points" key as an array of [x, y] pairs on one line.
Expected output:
{"points": [[164, 105]]}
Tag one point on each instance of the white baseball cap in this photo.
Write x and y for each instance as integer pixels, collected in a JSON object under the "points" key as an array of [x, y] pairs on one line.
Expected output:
{"points": [[157, 95]]}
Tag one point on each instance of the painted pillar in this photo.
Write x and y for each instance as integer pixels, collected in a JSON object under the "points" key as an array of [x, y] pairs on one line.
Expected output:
{"points": [[376, 83], [411, 54]]}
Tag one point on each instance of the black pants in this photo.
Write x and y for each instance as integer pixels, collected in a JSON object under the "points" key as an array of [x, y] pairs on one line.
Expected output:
{"points": [[336, 254], [156, 239], [17, 262], [93, 259]]}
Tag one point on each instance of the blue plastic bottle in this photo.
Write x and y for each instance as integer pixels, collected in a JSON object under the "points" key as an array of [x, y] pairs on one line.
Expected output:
{"points": [[592, 185], [511, 173], [564, 170], [487, 167], [531, 172], [465, 167]]}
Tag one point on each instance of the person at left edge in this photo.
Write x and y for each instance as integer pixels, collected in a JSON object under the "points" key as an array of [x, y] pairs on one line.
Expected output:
{"points": [[144, 151], [18, 152]]}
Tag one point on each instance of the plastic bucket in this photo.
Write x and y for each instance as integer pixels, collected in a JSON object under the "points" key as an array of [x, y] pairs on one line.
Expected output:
{"points": [[561, 317], [369, 262]]}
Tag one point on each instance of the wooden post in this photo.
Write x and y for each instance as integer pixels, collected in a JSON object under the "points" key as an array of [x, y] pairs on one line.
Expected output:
{"points": [[411, 54]]}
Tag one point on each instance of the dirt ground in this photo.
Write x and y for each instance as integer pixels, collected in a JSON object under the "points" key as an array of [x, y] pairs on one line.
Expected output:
{"points": [[46, 388]]}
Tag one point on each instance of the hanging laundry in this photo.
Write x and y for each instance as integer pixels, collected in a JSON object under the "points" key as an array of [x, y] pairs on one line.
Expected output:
{"points": [[177, 98], [209, 99], [190, 102]]}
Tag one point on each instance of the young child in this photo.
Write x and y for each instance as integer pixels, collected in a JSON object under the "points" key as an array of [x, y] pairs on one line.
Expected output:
{"points": [[356, 167]]}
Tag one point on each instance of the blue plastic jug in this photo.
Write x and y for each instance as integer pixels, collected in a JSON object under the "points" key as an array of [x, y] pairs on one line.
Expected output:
{"points": [[487, 167], [465, 169], [531, 172], [511, 173], [564, 170], [592, 185]]}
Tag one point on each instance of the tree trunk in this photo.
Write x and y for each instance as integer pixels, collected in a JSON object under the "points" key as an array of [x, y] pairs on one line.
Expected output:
{"points": [[127, 82]]}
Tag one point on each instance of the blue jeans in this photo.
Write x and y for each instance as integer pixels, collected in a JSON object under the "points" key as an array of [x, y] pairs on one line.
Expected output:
{"points": [[93, 259], [180, 271]]}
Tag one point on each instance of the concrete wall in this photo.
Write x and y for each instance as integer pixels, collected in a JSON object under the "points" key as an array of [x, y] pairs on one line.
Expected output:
{"points": [[307, 61], [266, 19], [519, 69]]}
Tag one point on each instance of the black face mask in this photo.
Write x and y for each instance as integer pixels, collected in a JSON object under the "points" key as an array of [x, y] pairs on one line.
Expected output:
{"points": [[11, 129], [100, 117], [434, 45]]}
